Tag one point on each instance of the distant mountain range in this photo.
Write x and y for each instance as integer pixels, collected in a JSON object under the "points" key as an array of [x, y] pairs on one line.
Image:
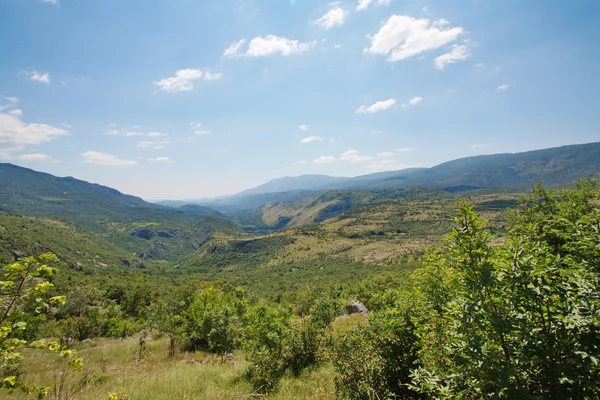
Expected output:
{"points": [[553, 167]]}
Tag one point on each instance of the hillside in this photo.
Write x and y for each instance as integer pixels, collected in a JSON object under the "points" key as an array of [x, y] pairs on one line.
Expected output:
{"points": [[140, 228], [287, 184], [369, 239]]}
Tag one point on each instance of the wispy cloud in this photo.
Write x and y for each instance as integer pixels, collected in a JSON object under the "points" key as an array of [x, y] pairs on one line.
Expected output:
{"points": [[183, 80], [353, 156], [199, 129], [376, 107], [324, 160], [160, 160], [403, 36], [153, 144], [311, 139], [99, 158], [37, 76], [364, 4], [503, 87], [412, 102], [303, 127], [457, 53]]}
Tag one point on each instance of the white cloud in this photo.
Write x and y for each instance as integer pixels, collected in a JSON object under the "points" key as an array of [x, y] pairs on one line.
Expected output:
{"points": [[303, 127], [385, 154], [12, 99], [156, 145], [15, 133], [112, 132], [364, 4], [130, 134], [68, 126], [404, 149], [160, 160], [112, 125], [331, 140], [334, 17], [337, 46], [37, 76], [477, 145], [324, 160], [53, 2], [354, 157], [99, 158], [403, 36], [503, 87], [183, 80], [412, 102], [300, 162], [478, 65], [268, 45], [457, 53], [16, 113], [154, 134], [311, 139], [388, 164], [376, 107], [37, 157]]}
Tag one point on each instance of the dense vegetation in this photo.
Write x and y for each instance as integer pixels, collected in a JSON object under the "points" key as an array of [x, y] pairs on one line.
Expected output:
{"points": [[506, 308]]}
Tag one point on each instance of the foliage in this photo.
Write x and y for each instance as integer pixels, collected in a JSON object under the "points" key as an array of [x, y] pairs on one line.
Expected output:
{"points": [[524, 320], [24, 292], [212, 319]]}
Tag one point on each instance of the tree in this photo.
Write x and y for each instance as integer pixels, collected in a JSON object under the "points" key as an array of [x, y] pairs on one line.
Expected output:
{"points": [[23, 291]]}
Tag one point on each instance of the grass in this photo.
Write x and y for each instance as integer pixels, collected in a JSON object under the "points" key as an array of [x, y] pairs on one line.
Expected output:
{"points": [[112, 366]]}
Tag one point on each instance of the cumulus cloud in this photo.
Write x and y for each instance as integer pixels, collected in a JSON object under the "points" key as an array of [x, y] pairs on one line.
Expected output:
{"points": [[99, 158], [183, 80], [53, 2], [353, 156], [303, 127], [36, 157], [503, 87], [16, 134], [403, 36], [16, 113], [268, 45], [334, 17], [324, 160], [160, 160], [457, 53], [385, 154], [12, 99], [412, 102], [376, 107], [37, 76], [311, 139]]}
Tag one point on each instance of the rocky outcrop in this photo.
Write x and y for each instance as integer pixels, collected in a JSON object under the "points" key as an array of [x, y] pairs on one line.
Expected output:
{"points": [[356, 308]]}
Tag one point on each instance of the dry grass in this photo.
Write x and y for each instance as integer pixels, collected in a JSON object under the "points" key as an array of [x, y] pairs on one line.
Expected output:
{"points": [[112, 366]]}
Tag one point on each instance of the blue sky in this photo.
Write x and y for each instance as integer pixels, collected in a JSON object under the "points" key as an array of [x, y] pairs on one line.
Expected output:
{"points": [[189, 99]]}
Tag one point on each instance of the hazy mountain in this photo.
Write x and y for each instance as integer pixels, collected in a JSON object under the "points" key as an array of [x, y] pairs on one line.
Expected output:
{"points": [[554, 167], [287, 184]]}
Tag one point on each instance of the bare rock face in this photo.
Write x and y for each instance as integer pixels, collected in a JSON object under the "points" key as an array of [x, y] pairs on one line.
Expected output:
{"points": [[356, 308]]}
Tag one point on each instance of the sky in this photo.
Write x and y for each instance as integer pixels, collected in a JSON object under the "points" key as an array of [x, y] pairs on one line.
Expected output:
{"points": [[188, 99]]}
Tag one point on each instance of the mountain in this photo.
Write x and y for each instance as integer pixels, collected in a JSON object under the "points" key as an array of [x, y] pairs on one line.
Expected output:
{"points": [[287, 184], [554, 167], [28, 192]]}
